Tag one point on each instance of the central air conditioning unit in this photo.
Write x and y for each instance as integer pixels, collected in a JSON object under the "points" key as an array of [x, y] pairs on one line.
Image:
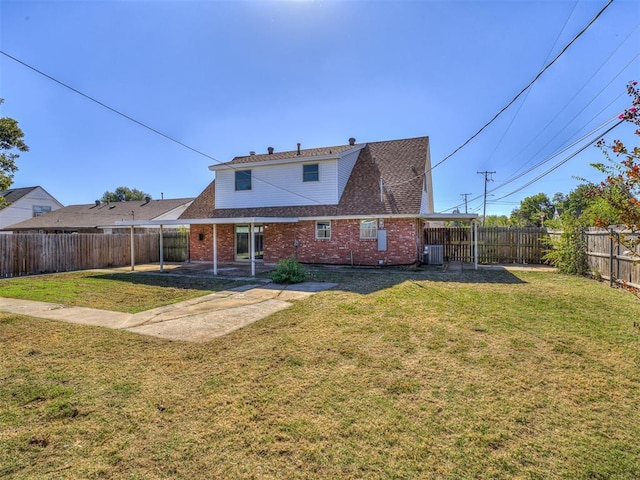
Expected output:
{"points": [[433, 255]]}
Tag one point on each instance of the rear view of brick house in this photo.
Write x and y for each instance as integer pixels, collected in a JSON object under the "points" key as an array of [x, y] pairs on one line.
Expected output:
{"points": [[352, 204]]}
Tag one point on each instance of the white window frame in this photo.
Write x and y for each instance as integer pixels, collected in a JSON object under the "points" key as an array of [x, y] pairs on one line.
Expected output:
{"points": [[39, 210], [245, 172], [368, 229], [323, 230], [317, 172]]}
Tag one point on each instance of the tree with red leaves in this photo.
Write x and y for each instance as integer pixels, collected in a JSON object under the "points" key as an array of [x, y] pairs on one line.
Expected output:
{"points": [[621, 189]]}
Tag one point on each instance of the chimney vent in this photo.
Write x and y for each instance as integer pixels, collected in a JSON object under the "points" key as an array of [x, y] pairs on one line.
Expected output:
{"points": [[298, 148], [252, 153], [147, 199], [352, 141], [270, 150]]}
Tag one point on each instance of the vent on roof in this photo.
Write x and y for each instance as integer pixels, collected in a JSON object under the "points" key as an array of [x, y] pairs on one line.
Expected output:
{"points": [[352, 141], [270, 150], [97, 203], [147, 199], [298, 148], [252, 153]]}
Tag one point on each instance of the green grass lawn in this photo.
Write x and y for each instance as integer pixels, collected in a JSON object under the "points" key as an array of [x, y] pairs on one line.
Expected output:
{"points": [[121, 292], [477, 375]]}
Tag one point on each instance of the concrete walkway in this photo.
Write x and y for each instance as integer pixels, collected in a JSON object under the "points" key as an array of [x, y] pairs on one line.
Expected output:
{"points": [[197, 320]]}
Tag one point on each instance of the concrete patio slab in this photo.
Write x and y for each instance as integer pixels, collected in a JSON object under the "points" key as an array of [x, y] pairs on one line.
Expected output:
{"points": [[197, 320]]}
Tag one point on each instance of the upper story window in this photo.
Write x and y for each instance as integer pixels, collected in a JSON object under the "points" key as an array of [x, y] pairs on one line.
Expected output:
{"points": [[310, 173], [323, 230], [368, 229], [39, 210], [243, 179]]}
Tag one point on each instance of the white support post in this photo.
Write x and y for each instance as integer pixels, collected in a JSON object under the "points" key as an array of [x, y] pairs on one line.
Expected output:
{"points": [[133, 250], [215, 250], [475, 244], [161, 250], [252, 253]]}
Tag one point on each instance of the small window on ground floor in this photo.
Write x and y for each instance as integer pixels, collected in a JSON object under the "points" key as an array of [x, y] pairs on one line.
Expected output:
{"points": [[323, 230], [368, 229]]}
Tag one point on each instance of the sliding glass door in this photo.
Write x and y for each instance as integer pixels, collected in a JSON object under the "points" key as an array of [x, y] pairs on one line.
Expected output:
{"points": [[242, 242]]}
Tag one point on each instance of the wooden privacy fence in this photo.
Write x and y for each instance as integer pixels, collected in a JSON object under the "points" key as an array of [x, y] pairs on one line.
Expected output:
{"points": [[28, 254], [495, 244], [608, 259]]}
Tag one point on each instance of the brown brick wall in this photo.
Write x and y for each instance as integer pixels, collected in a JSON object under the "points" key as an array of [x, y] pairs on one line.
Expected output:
{"points": [[202, 250], [343, 248]]}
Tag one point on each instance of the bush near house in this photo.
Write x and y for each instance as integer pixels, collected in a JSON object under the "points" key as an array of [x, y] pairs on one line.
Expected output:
{"points": [[289, 271]]}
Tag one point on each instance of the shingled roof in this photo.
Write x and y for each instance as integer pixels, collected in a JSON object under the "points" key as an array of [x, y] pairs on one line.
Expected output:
{"points": [[399, 163], [15, 194], [309, 152], [89, 216]]}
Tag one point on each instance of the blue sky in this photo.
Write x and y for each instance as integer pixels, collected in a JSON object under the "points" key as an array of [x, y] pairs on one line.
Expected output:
{"points": [[229, 77]]}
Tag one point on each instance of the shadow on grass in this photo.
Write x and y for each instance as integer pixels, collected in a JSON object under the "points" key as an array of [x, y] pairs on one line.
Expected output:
{"points": [[369, 280], [173, 281]]}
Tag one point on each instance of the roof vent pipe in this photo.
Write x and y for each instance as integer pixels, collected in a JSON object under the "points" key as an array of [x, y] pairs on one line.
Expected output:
{"points": [[298, 148], [352, 141], [270, 150]]}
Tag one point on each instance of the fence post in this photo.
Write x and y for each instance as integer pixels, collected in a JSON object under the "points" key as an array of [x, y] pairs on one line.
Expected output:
{"points": [[611, 257], [618, 256]]}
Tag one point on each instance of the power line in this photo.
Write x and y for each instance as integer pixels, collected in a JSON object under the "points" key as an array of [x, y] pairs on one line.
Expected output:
{"points": [[514, 99], [524, 100], [544, 69], [144, 125], [562, 162], [118, 112]]}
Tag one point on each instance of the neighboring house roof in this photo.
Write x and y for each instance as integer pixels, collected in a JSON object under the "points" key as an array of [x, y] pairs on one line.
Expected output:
{"points": [[400, 164], [15, 194], [106, 214], [12, 195]]}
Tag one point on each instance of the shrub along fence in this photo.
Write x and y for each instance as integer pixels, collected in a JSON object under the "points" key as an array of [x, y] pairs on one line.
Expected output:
{"points": [[495, 244], [608, 259], [33, 253]]}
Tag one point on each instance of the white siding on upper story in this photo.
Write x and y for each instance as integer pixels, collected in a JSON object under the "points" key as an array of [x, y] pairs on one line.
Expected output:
{"points": [[22, 209], [279, 186], [345, 166]]}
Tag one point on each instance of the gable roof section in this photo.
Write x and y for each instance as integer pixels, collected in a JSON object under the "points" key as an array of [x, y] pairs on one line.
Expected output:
{"points": [[14, 194], [107, 214], [401, 164]]}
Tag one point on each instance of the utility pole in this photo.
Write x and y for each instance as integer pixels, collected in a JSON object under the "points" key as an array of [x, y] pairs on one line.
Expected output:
{"points": [[465, 195], [487, 179]]}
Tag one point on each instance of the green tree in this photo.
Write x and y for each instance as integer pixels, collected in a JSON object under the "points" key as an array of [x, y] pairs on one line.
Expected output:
{"points": [[497, 221], [11, 141], [124, 194], [620, 191], [533, 211]]}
